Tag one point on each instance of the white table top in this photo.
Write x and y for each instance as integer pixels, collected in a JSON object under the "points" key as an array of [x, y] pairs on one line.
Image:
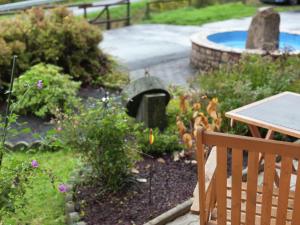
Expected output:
{"points": [[280, 113]]}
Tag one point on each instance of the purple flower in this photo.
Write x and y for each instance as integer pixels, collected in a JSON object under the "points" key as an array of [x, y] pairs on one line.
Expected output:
{"points": [[39, 84], [62, 188], [34, 164]]}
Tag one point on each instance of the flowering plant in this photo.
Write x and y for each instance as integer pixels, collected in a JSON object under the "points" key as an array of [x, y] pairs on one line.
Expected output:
{"points": [[43, 89], [103, 135], [15, 176], [197, 113]]}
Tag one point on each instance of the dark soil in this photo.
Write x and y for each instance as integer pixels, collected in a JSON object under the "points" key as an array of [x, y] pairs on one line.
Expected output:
{"points": [[172, 184]]}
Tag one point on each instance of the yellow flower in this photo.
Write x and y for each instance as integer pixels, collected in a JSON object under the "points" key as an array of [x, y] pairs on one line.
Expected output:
{"points": [[151, 137]]}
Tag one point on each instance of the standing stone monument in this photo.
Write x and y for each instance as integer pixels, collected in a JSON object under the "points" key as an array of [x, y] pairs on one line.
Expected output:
{"points": [[264, 30], [146, 99]]}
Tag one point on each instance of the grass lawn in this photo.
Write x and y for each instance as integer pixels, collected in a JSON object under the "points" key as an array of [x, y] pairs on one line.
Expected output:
{"points": [[189, 15], [45, 203], [218, 12]]}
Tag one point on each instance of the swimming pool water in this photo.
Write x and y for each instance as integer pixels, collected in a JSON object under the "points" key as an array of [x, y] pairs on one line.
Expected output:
{"points": [[237, 39]]}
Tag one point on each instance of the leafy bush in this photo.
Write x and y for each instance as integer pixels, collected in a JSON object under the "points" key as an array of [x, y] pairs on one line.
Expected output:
{"points": [[14, 180], [103, 137], [254, 78], [43, 89], [54, 37], [9, 1], [164, 142]]}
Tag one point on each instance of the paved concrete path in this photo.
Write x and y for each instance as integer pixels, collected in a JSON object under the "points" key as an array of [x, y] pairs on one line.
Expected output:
{"points": [[161, 49]]}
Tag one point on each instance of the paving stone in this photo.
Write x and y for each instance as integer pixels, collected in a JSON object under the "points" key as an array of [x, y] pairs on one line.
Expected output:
{"points": [[187, 219], [175, 72]]}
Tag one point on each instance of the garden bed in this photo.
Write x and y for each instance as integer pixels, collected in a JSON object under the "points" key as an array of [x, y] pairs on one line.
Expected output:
{"points": [[172, 184]]}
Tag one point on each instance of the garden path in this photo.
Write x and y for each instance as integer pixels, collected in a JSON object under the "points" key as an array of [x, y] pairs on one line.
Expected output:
{"points": [[163, 50]]}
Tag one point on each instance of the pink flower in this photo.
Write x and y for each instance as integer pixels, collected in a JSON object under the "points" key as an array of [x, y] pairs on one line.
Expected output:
{"points": [[39, 84], [62, 188], [58, 129], [34, 164]]}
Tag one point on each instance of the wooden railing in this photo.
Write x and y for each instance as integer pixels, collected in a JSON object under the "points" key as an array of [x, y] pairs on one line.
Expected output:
{"points": [[104, 10], [164, 2]]}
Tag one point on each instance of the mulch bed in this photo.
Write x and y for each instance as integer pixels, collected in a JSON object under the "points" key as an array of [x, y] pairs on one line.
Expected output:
{"points": [[172, 184]]}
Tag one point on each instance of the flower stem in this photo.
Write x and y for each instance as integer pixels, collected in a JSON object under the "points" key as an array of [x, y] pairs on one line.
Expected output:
{"points": [[7, 113]]}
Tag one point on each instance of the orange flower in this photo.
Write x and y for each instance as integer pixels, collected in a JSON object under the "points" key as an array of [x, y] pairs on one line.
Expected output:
{"points": [[197, 106], [151, 137], [187, 140], [212, 108], [180, 126], [183, 104]]}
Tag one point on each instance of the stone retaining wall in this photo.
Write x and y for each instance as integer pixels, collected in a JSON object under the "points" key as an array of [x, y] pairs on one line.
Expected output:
{"points": [[206, 58], [207, 55]]}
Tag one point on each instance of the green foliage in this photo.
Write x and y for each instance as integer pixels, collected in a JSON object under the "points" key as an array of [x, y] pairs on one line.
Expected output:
{"points": [[254, 78], [115, 78], [173, 111], [164, 142], [54, 37], [198, 16], [211, 13], [9, 1], [57, 91], [14, 179], [41, 203], [103, 137]]}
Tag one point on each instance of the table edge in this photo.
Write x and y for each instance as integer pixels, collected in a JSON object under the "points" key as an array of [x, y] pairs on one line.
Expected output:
{"points": [[259, 123]]}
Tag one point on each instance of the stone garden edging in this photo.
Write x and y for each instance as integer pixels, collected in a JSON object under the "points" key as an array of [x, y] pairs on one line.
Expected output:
{"points": [[72, 217], [22, 145], [172, 214]]}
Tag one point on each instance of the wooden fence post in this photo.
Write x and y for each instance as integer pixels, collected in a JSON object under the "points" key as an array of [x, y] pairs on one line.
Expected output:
{"points": [[85, 12], [107, 18], [147, 12], [128, 13]]}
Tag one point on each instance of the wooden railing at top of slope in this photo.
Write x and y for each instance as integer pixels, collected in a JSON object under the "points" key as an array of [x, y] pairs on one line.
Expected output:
{"points": [[104, 9]]}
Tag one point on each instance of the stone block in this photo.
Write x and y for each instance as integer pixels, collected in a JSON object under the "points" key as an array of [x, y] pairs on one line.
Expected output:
{"points": [[69, 207], [152, 110], [73, 217], [264, 30]]}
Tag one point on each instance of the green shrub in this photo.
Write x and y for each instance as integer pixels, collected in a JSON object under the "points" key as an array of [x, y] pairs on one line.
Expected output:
{"points": [[43, 90], [53, 37], [9, 1], [164, 142], [254, 78], [103, 137], [13, 180]]}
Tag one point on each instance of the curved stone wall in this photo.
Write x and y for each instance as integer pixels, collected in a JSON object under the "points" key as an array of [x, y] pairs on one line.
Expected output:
{"points": [[207, 55]]}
